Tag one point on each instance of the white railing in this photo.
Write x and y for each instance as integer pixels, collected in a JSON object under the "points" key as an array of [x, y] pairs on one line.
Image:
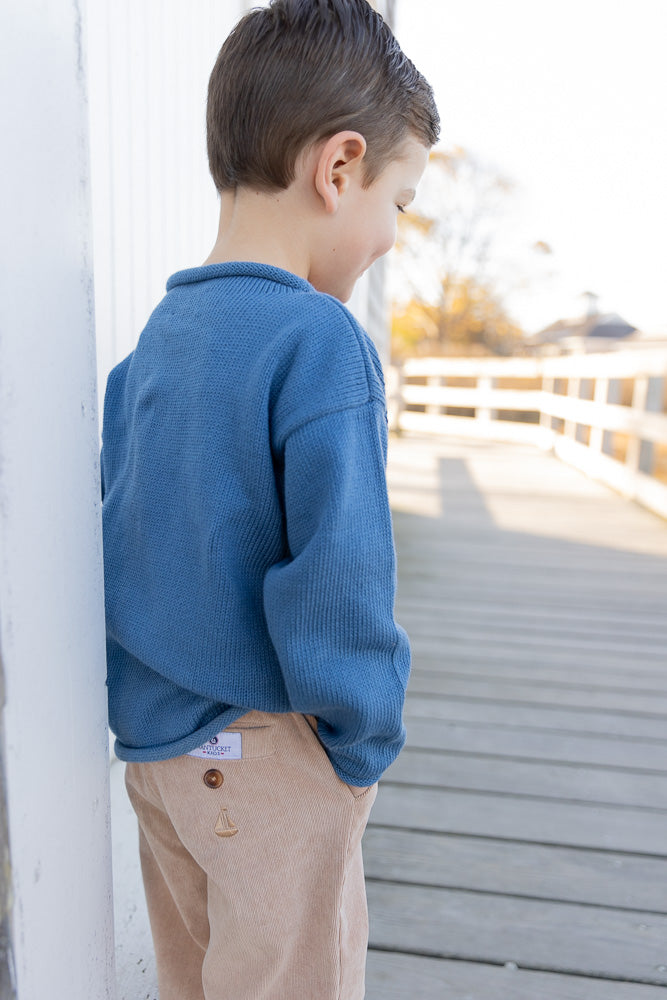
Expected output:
{"points": [[604, 413]]}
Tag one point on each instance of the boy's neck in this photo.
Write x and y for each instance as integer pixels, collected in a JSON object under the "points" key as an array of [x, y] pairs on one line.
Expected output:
{"points": [[263, 227]]}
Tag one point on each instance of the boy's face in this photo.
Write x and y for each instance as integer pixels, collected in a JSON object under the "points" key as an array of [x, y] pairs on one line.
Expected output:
{"points": [[364, 227]]}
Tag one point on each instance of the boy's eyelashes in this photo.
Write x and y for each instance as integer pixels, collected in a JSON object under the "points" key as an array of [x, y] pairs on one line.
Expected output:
{"points": [[401, 209]]}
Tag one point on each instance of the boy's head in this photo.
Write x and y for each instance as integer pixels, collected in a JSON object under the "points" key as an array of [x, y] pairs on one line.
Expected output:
{"points": [[300, 71]]}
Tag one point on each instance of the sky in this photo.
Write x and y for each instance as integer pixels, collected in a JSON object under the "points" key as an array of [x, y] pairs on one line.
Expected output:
{"points": [[568, 100]]}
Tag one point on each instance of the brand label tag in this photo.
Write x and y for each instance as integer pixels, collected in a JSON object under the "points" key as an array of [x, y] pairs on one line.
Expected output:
{"points": [[224, 746]]}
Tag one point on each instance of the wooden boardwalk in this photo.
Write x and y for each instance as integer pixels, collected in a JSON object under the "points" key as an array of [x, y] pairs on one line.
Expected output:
{"points": [[518, 847]]}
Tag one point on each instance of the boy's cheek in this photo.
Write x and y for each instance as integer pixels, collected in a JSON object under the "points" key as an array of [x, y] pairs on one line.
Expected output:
{"points": [[387, 238]]}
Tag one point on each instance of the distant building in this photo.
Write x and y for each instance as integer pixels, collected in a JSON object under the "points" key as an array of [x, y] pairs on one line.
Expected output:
{"points": [[595, 331]]}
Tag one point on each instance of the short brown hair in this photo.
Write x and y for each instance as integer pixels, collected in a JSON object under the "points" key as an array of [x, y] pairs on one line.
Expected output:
{"points": [[299, 71]]}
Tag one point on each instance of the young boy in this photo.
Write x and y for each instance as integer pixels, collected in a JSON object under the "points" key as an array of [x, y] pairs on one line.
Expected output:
{"points": [[256, 675]]}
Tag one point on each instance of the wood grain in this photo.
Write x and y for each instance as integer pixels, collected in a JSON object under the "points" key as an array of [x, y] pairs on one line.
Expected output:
{"points": [[526, 820]]}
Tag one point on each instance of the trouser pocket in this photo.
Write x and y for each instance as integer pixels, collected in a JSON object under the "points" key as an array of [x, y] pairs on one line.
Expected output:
{"points": [[356, 791]]}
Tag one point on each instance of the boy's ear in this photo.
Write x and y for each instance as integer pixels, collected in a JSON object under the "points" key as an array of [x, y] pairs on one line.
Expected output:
{"points": [[338, 162]]}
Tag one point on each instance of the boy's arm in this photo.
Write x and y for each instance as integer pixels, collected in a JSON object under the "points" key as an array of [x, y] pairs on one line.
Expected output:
{"points": [[330, 605]]}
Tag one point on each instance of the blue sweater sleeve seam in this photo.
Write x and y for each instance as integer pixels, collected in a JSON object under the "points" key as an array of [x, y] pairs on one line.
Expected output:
{"points": [[373, 375], [364, 341], [371, 401], [397, 645]]}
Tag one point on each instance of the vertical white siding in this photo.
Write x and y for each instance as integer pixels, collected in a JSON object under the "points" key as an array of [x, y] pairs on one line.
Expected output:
{"points": [[51, 599], [373, 308], [155, 208]]}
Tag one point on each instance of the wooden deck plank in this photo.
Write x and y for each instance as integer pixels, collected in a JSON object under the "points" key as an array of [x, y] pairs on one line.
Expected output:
{"points": [[488, 814], [538, 871], [479, 542], [484, 576], [503, 608], [486, 592], [444, 575], [607, 673], [395, 976], [525, 822], [541, 580], [567, 782], [587, 695], [534, 934], [539, 745], [480, 537], [499, 615], [570, 667], [448, 651], [540, 635], [545, 717]]}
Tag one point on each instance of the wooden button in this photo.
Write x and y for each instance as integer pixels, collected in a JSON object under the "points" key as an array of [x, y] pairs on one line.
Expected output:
{"points": [[213, 778]]}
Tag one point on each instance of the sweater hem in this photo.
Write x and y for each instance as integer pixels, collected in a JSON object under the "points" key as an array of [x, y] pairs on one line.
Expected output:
{"points": [[178, 748]]}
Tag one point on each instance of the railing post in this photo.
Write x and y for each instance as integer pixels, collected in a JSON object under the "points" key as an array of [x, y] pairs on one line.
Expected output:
{"points": [[614, 394], [548, 388], [585, 386], [600, 398], [654, 403], [395, 404], [435, 382], [573, 390], [485, 385], [646, 398]]}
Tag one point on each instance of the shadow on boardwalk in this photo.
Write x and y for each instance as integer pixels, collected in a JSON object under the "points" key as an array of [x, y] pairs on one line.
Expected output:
{"points": [[517, 849]]}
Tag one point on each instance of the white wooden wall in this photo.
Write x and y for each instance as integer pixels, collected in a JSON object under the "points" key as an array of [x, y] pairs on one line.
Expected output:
{"points": [[155, 209], [51, 600]]}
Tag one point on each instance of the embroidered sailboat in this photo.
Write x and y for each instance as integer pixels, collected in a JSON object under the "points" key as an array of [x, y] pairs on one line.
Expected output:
{"points": [[224, 827]]}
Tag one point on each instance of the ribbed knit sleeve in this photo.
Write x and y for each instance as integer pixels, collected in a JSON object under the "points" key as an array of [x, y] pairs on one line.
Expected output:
{"points": [[329, 606]]}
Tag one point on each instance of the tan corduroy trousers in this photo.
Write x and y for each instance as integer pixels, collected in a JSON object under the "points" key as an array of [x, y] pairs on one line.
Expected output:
{"points": [[253, 870]]}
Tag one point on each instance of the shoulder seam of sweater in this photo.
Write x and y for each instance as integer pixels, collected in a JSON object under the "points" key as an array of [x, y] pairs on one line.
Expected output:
{"points": [[371, 401], [363, 338]]}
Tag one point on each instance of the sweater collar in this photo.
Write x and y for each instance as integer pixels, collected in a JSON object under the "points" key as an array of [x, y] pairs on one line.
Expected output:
{"points": [[238, 269]]}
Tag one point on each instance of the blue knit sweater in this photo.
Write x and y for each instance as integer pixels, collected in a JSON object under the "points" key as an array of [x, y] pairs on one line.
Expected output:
{"points": [[248, 552]]}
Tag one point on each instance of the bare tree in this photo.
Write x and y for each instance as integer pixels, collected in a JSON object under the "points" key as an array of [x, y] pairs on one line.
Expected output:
{"points": [[446, 260]]}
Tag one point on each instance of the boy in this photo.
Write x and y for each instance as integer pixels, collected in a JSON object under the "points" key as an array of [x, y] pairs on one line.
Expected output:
{"points": [[256, 675]]}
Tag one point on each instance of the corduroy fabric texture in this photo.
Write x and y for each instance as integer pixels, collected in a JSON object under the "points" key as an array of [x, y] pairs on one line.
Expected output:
{"points": [[249, 560], [272, 906]]}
